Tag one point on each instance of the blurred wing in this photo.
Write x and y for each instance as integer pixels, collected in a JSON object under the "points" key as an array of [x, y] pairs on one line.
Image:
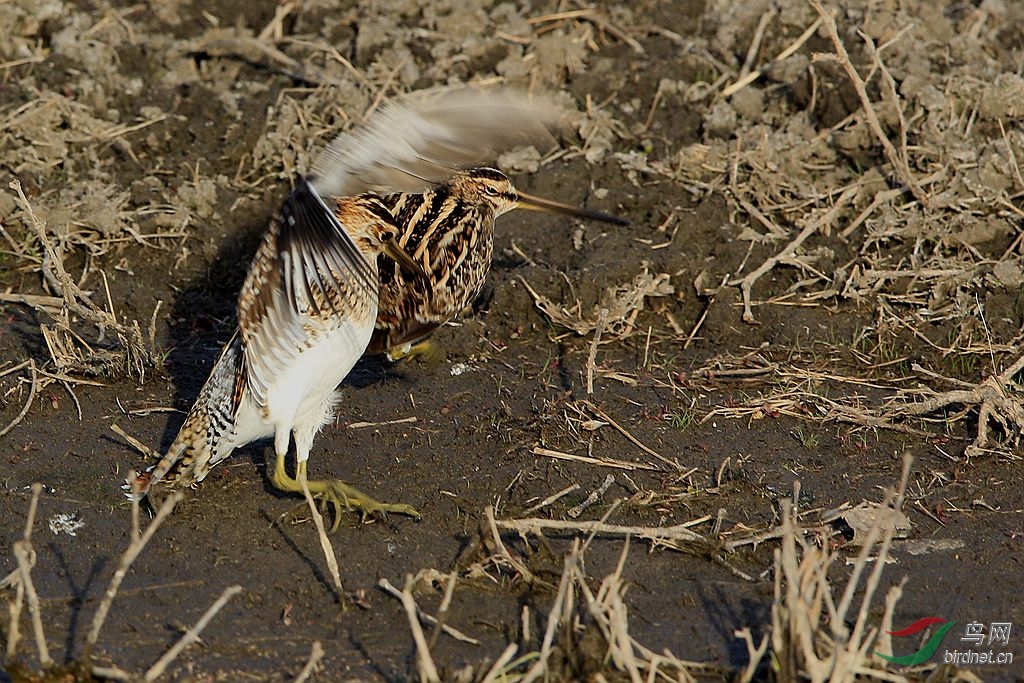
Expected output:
{"points": [[421, 139], [306, 268]]}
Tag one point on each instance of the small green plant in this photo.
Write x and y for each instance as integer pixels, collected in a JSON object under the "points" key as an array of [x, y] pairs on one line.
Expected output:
{"points": [[682, 420], [808, 440], [964, 365]]}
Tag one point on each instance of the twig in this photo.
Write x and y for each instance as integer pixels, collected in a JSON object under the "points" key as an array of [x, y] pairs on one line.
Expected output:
{"points": [[61, 377], [33, 507], [134, 548], [603, 462], [424, 662], [594, 496], [651, 112], [879, 199], [551, 499], [15, 368], [28, 404], [405, 420], [15, 578], [558, 606], [671, 536], [38, 301], [325, 542], [442, 609], [759, 537], [592, 534], [152, 327], [604, 416], [499, 665], [274, 30], [899, 162], [135, 486], [389, 588], [755, 42], [501, 550], [602, 320], [559, 16], [135, 443], [992, 398], [315, 655], [749, 207], [604, 24], [73, 395], [18, 249], [704, 314], [747, 283], [22, 552], [754, 653], [748, 78], [191, 635], [1013, 155], [113, 673]]}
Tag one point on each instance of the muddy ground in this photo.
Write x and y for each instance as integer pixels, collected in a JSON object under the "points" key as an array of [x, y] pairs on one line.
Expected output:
{"points": [[156, 140]]}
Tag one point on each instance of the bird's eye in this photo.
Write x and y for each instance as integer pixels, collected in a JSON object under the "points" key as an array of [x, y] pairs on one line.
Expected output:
{"points": [[490, 191]]}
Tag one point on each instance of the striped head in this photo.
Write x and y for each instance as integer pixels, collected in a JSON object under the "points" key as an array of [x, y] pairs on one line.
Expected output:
{"points": [[485, 189], [489, 190]]}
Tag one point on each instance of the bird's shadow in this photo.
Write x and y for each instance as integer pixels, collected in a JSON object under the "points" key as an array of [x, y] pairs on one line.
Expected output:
{"points": [[79, 595], [311, 564]]}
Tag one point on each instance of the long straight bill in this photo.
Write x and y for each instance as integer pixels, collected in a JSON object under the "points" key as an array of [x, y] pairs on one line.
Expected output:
{"points": [[529, 201]]}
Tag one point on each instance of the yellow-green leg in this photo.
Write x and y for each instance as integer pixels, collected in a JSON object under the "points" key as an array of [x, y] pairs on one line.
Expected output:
{"points": [[337, 493], [425, 350]]}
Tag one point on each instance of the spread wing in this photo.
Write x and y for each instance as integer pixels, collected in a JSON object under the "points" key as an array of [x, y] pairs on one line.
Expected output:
{"points": [[423, 138], [306, 270]]}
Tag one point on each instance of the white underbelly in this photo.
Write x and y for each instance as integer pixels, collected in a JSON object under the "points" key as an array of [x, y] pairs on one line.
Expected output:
{"points": [[317, 371], [303, 386]]}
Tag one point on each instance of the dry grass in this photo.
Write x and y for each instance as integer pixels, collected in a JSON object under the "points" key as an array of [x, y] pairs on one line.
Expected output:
{"points": [[585, 635], [819, 631], [86, 668], [918, 199], [70, 351], [902, 216]]}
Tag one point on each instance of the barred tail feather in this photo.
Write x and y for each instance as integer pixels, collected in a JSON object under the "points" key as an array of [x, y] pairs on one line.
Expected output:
{"points": [[207, 435]]}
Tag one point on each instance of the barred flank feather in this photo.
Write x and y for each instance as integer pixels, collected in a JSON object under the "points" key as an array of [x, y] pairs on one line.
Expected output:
{"points": [[449, 231], [312, 289]]}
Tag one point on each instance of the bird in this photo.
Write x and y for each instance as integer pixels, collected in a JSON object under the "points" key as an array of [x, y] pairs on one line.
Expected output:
{"points": [[449, 232], [308, 306], [305, 314]]}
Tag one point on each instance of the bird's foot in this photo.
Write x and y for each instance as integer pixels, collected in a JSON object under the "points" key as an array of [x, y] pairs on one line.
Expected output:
{"points": [[426, 351], [340, 495]]}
